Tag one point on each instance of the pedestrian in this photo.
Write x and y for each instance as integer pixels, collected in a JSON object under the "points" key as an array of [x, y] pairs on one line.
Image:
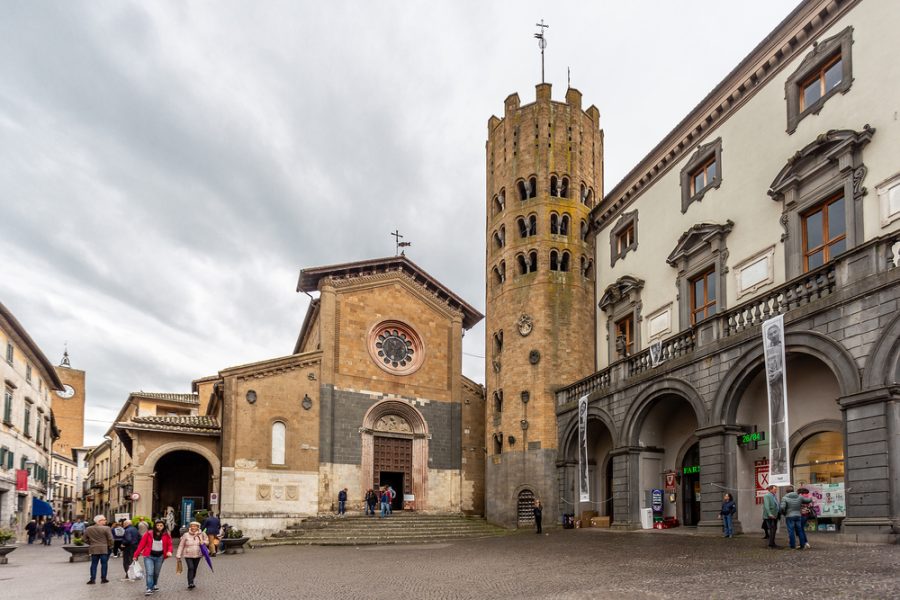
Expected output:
{"points": [[155, 546], [727, 515], [99, 540], [807, 511], [213, 527], [342, 502], [48, 530], [118, 532], [130, 540], [538, 515], [770, 514], [67, 531], [392, 494], [78, 528], [791, 505], [371, 500], [385, 503], [143, 527], [189, 549], [31, 529]]}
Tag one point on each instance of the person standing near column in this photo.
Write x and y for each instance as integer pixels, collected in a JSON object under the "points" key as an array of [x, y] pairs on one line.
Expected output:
{"points": [[342, 502], [770, 514], [155, 547], [538, 515], [727, 515], [99, 540], [189, 549]]}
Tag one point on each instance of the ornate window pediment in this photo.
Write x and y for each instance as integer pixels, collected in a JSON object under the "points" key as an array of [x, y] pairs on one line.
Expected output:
{"points": [[625, 288], [696, 239], [700, 251]]}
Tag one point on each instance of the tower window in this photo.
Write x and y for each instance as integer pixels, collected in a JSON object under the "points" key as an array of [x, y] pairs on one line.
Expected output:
{"points": [[559, 261], [498, 402], [554, 223], [522, 264], [498, 342], [499, 202], [564, 225], [587, 196], [584, 230], [498, 443], [527, 227], [532, 261], [559, 186], [587, 267], [500, 237]]}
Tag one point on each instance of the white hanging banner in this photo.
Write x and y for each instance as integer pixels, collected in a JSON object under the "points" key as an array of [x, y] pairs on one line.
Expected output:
{"points": [[584, 487], [773, 343]]}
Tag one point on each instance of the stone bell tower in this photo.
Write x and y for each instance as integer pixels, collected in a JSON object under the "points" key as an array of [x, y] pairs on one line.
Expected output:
{"points": [[544, 174]]}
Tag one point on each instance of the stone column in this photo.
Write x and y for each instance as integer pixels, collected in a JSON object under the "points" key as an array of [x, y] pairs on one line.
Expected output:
{"points": [[626, 487], [143, 485], [718, 465], [872, 465]]}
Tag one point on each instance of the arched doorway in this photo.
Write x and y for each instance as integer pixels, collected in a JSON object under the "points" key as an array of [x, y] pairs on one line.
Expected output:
{"points": [[183, 482], [600, 442], [665, 429], [690, 486], [525, 509]]}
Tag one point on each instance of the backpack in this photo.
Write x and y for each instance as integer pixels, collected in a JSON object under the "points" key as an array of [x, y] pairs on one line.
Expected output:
{"points": [[119, 532]]}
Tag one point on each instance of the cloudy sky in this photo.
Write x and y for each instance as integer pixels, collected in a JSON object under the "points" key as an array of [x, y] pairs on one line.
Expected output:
{"points": [[166, 168]]}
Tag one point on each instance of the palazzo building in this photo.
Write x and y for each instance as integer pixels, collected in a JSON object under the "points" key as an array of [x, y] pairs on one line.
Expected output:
{"points": [[779, 194]]}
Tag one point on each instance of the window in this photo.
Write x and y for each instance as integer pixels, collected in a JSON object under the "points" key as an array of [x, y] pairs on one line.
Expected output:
{"points": [[28, 373], [587, 267], [824, 72], [554, 223], [820, 459], [824, 233], [564, 225], [499, 237], [624, 330], [702, 173], [559, 261], [587, 196], [10, 459], [499, 273], [527, 227], [499, 202], [623, 237], [889, 197], [9, 352], [498, 342], [559, 186], [27, 428], [703, 296], [3, 451], [7, 406], [584, 230], [278, 431], [498, 402], [527, 189], [559, 225], [37, 432], [532, 261], [498, 443]]}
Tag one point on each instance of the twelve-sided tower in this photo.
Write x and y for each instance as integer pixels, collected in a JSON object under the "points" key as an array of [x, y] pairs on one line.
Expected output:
{"points": [[544, 174]]}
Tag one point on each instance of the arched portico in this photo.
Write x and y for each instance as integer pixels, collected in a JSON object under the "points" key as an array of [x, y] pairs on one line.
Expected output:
{"points": [[145, 473], [601, 440], [883, 365]]}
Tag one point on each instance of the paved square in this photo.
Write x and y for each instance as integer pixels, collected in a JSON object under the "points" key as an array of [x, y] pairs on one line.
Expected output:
{"points": [[561, 564]]}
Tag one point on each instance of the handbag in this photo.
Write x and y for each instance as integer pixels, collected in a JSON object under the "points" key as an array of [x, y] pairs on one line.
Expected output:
{"points": [[179, 567]]}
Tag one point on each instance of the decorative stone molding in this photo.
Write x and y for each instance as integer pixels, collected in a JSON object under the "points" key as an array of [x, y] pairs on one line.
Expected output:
{"points": [[712, 150], [700, 248], [821, 53]]}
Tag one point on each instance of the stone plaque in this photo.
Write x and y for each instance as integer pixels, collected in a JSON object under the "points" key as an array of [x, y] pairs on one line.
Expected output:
{"points": [[263, 492]]}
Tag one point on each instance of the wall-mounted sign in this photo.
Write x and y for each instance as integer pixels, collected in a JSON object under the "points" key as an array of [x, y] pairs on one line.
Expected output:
{"points": [[753, 437], [656, 500], [135, 496], [213, 498], [670, 481], [761, 469], [692, 470]]}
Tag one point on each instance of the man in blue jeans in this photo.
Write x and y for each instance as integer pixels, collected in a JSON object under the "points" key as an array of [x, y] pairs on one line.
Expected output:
{"points": [[791, 505], [99, 539], [342, 502]]}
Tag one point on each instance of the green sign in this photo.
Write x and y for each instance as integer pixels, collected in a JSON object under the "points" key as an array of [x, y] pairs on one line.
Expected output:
{"points": [[751, 438], [691, 470]]}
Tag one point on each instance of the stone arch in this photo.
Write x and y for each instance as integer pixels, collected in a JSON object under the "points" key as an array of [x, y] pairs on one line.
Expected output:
{"points": [[812, 343], [420, 438], [668, 386], [595, 413], [811, 429], [881, 366], [144, 473]]}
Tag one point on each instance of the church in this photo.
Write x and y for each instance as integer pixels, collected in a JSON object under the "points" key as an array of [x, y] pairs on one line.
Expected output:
{"points": [[371, 395]]}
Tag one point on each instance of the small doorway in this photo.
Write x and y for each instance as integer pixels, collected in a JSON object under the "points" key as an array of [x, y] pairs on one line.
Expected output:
{"points": [[525, 509], [394, 479], [690, 486]]}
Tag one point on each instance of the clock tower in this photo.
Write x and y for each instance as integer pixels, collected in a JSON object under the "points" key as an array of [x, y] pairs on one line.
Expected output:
{"points": [[68, 408]]}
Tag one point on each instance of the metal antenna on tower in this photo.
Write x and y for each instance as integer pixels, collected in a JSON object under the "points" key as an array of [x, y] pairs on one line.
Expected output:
{"points": [[542, 43]]}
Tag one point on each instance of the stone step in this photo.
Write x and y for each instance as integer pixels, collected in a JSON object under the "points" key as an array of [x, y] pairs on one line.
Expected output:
{"points": [[380, 531], [360, 541]]}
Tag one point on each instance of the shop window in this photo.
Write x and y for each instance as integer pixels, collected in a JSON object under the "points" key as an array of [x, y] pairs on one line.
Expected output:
{"points": [[824, 232], [703, 296], [820, 459], [702, 173], [623, 237], [624, 331], [278, 439], [824, 72]]}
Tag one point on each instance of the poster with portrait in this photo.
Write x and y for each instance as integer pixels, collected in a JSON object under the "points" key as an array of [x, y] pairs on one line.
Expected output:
{"points": [[584, 485], [776, 386]]}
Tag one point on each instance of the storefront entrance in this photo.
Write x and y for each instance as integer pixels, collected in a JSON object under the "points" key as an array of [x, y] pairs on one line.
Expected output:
{"points": [[690, 486]]}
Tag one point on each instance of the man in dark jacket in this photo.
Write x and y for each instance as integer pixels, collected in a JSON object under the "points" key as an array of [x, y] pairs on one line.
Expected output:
{"points": [[213, 527], [48, 530], [130, 540], [792, 507], [31, 529], [342, 502]]}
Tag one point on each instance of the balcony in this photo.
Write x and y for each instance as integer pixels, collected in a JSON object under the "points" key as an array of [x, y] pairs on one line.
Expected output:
{"points": [[802, 295]]}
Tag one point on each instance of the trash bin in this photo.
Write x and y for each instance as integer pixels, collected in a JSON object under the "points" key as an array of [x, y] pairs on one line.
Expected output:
{"points": [[647, 518]]}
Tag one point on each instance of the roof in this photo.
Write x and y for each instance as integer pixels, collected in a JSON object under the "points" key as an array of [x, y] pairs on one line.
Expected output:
{"points": [[180, 398], [312, 312], [39, 357], [204, 425], [310, 278]]}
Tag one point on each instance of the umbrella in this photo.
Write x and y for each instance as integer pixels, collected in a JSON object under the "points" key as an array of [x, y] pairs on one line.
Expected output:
{"points": [[205, 552]]}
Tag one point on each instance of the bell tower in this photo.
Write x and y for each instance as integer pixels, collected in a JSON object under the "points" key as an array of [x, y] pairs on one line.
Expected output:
{"points": [[544, 174]]}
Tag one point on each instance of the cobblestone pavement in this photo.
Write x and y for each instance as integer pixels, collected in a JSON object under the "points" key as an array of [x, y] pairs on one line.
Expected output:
{"points": [[561, 564]]}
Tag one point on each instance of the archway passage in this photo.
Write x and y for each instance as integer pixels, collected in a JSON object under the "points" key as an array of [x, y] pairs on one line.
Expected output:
{"points": [[599, 442], [690, 486], [393, 467], [525, 509], [183, 481]]}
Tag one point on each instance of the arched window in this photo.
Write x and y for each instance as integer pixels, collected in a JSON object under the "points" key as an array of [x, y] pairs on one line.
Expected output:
{"points": [[522, 264], [498, 279], [564, 262], [498, 443], [820, 459], [532, 187], [523, 227], [564, 225], [559, 262], [587, 267], [564, 187], [498, 342], [584, 230], [499, 237], [554, 223], [502, 271], [278, 431], [523, 189], [499, 202], [532, 225], [527, 227], [554, 185], [554, 260], [532, 261], [587, 196], [498, 402]]}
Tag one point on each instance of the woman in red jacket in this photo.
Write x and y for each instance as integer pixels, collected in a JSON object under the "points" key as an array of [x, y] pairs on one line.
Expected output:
{"points": [[155, 547]]}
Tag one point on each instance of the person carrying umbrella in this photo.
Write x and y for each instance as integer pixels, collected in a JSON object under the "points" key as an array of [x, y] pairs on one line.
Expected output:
{"points": [[192, 548]]}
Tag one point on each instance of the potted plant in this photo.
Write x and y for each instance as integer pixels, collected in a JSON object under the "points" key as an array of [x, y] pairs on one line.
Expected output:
{"points": [[77, 550], [233, 541], [5, 536]]}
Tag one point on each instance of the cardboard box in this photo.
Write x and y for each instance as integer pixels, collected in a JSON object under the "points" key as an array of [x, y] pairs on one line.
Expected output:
{"points": [[600, 522], [587, 515]]}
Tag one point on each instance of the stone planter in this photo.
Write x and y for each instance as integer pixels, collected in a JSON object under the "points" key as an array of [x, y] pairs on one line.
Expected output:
{"points": [[232, 545], [4, 550], [78, 553]]}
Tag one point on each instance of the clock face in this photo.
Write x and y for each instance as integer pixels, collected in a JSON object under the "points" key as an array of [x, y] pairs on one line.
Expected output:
{"points": [[396, 347], [67, 392]]}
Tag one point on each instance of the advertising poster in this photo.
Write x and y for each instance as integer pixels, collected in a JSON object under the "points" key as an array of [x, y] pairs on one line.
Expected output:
{"points": [[773, 344], [584, 485], [828, 499]]}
